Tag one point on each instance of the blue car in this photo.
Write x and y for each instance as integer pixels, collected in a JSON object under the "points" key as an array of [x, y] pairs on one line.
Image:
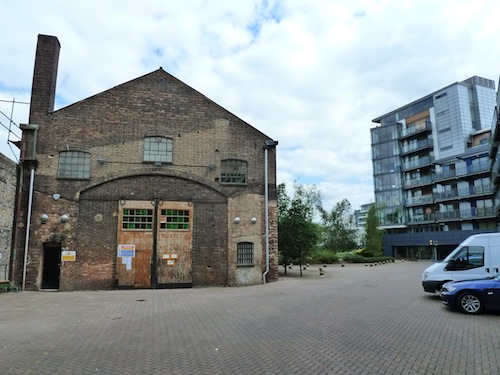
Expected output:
{"points": [[472, 296]]}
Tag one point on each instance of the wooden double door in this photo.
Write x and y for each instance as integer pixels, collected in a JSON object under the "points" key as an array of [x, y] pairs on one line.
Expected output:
{"points": [[154, 244]]}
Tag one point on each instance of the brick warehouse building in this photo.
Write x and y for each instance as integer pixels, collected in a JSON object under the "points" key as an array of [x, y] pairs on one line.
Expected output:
{"points": [[149, 184]]}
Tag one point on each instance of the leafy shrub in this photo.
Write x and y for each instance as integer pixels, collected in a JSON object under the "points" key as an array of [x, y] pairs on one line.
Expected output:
{"points": [[325, 256], [353, 258]]}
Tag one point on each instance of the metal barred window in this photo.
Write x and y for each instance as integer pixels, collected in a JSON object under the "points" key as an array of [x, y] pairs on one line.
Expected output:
{"points": [[244, 255], [74, 164]]}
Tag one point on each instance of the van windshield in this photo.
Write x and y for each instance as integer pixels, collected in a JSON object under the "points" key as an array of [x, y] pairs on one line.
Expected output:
{"points": [[452, 254]]}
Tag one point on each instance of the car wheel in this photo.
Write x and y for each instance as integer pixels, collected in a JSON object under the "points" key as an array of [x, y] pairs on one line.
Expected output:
{"points": [[470, 303]]}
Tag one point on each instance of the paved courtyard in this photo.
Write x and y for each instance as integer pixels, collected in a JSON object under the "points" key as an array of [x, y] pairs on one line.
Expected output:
{"points": [[352, 320]]}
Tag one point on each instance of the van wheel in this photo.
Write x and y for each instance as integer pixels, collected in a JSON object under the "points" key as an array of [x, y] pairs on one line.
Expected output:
{"points": [[470, 303]]}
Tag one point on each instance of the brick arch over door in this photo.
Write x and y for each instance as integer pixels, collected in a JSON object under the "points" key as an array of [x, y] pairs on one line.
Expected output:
{"points": [[182, 177], [98, 218]]}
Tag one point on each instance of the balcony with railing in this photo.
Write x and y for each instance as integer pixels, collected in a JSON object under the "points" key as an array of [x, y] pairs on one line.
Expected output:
{"points": [[417, 146], [421, 200], [416, 129], [495, 170], [420, 181], [462, 193], [421, 219], [461, 171], [464, 214], [417, 163]]}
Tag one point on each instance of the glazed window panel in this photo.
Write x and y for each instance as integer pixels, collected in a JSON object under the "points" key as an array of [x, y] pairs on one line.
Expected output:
{"points": [[74, 165], [244, 256], [158, 149], [173, 219], [137, 219], [233, 171]]}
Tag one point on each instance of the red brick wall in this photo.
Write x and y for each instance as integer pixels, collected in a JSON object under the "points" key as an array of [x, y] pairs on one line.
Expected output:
{"points": [[111, 126]]}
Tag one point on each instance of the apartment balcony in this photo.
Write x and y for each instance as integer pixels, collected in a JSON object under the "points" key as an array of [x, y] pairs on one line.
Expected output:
{"points": [[495, 170], [466, 214], [419, 201], [416, 129], [418, 163], [424, 144], [421, 219], [457, 194], [415, 182], [461, 172]]}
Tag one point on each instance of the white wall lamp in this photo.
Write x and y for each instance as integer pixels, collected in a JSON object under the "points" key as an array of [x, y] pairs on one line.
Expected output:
{"points": [[253, 220], [237, 220], [64, 218], [44, 218]]}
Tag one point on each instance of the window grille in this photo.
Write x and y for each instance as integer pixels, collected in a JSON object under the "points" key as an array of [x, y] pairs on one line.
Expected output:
{"points": [[137, 219], [244, 254], [74, 164], [233, 171], [158, 150], [174, 219]]}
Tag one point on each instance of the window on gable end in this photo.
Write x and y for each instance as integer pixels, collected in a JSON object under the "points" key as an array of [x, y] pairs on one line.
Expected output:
{"points": [[158, 149], [74, 165], [233, 171]]}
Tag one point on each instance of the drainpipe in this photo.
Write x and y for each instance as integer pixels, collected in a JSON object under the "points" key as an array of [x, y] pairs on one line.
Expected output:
{"points": [[32, 162], [28, 223], [268, 145]]}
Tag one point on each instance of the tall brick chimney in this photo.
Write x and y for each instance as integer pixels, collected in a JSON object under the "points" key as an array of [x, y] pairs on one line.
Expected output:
{"points": [[43, 90]]}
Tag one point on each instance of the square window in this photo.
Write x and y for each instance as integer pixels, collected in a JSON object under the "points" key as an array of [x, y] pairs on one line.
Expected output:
{"points": [[158, 150], [74, 165], [233, 171]]}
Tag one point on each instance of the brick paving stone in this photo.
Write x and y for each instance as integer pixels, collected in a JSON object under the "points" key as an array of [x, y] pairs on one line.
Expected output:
{"points": [[352, 320]]}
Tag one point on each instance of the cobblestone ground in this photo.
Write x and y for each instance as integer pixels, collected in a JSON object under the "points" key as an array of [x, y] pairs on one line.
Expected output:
{"points": [[353, 320]]}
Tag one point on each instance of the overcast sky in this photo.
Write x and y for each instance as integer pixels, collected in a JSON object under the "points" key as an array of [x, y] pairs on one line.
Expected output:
{"points": [[311, 74]]}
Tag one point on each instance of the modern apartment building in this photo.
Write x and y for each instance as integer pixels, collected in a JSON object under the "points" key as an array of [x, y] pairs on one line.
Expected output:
{"points": [[432, 170], [495, 154], [360, 217]]}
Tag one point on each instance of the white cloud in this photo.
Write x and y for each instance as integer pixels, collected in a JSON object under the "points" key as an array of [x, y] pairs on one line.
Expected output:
{"points": [[311, 75]]}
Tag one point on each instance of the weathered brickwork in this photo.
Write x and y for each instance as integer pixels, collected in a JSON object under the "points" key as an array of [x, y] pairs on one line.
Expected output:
{"points": [[111, 127], [7, 204]]}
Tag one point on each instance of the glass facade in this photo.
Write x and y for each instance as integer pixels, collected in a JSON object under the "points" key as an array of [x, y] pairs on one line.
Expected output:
{"points": [[431, 168]]}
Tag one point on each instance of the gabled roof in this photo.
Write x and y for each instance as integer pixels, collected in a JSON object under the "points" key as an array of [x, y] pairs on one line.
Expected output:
{"points": [[137, 81]]}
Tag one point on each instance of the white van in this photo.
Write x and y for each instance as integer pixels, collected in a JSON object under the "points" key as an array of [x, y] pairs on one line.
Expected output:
{"points": [[477, 257]]}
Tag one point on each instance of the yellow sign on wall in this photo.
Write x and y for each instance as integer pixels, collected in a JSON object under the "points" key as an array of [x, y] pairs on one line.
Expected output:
{"points": [[68, 256]]}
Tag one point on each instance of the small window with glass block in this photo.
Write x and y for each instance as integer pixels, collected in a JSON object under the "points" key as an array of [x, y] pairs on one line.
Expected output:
{"points": [[74, 165], [171, 219], [158, 150], [244, 256], [137, 219], [233, 171]]}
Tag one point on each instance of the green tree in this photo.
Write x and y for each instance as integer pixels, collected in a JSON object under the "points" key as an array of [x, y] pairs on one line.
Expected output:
{"points": [[297, 233], [339, 230], [373, 236]]}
